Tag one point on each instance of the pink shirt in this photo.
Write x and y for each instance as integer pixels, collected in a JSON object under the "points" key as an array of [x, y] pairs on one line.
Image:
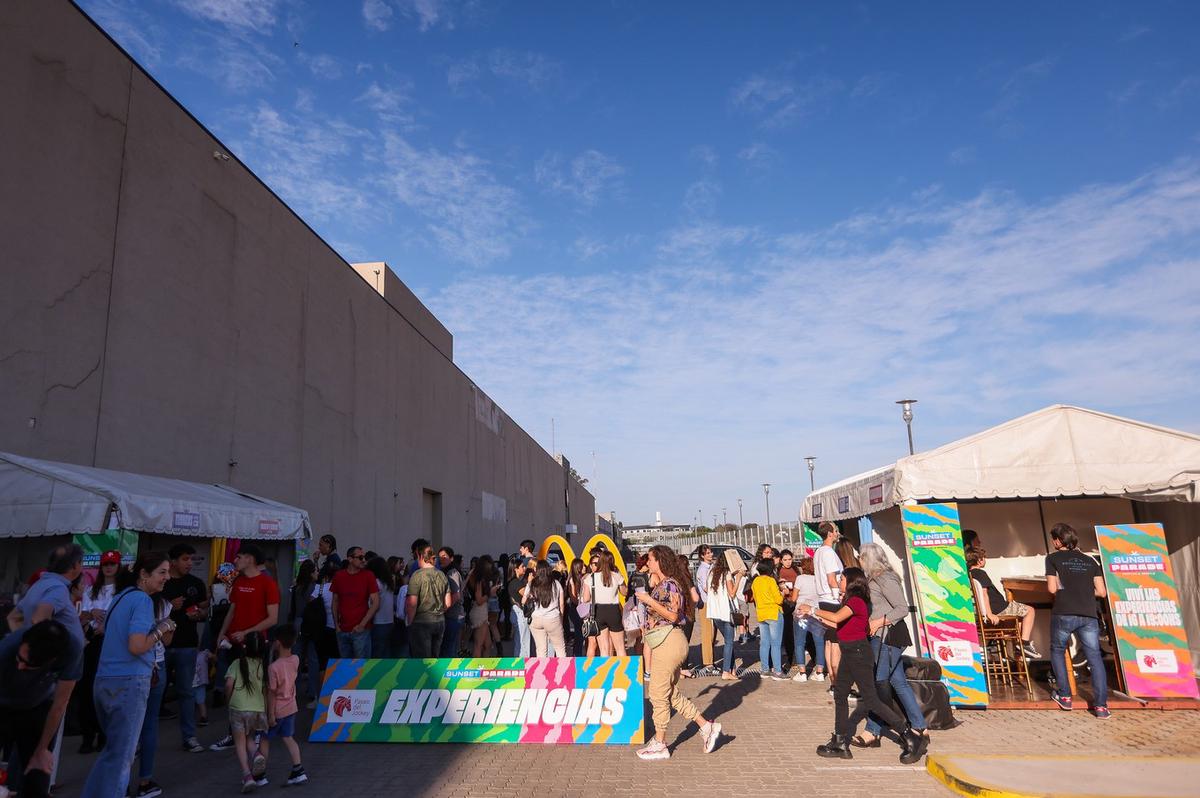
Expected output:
{"points": [[281, 678]]}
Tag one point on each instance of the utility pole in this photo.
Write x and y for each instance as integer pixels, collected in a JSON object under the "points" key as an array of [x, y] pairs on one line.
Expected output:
{"points": [[767, 499]]}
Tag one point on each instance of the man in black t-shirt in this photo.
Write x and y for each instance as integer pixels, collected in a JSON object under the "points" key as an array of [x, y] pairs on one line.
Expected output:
{"points": [[189, 604], [1076, 581]]}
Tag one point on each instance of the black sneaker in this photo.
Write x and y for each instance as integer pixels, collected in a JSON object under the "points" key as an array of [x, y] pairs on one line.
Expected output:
{"points": [[224, 744], [148, 790], [297, 776], [193, 746]]}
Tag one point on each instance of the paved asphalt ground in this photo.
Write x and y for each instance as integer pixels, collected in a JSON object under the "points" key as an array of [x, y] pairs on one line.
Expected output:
{"points": [[771, 729]]}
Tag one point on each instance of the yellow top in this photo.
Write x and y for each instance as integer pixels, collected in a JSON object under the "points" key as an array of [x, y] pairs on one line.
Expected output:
{"points": [[767, 599]]}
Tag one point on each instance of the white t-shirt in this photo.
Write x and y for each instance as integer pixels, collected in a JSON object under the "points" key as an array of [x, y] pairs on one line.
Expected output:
{"points": [[387, 609], [322, 591], [717, 601], [602, 594], [825, 562], [545, 612], [401, 597], [101, 602], [806, 585]]}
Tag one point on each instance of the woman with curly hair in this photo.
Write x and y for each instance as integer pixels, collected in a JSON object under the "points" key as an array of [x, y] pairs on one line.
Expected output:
{"points": [[666, 605]]}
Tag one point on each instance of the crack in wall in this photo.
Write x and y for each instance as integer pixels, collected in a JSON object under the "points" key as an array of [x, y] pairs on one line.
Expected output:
{"points": [[71, 386], [78, 284], [18, 353]]}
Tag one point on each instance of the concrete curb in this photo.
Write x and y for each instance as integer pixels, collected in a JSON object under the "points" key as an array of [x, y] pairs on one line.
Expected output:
{"points": [[949, 770]]}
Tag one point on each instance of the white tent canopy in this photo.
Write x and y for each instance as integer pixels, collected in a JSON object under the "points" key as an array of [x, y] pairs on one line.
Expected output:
{"points": [[1058, 451], [40, 497]]}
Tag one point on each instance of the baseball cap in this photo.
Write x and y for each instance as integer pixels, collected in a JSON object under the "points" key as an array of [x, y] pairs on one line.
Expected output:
{"points": [[110, 556]]}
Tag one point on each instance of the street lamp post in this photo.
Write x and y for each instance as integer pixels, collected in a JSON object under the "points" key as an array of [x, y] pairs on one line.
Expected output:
{"points": [[906, 406], [767, 499], [741, 523], [812, 467]]}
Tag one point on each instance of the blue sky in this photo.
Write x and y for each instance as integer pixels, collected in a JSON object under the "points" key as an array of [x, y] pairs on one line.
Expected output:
{"points": [[711, 239]]}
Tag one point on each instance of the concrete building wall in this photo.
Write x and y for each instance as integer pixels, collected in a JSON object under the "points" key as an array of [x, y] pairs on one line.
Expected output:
{"points": [[161, 311]]}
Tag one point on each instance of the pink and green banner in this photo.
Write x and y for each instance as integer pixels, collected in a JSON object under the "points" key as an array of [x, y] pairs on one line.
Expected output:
{"points": [[947, 606], [587, 700], [1145, 608]]}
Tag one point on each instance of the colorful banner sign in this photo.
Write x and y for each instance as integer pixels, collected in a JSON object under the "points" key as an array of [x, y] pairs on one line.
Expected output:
{"points": [[934, 540], [1145, 608], [93, 545], [812, 540], [492, 700]]}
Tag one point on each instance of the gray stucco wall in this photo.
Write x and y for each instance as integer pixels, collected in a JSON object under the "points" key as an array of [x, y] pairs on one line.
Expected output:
{"points": [[161, 311]]}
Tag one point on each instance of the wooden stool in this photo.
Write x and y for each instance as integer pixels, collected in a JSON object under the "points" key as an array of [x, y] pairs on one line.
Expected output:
{"points": [[1008, 662]]}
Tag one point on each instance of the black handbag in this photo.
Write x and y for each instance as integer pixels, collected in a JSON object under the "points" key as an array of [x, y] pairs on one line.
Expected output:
{"points": [[588, 626], [897, 635]]}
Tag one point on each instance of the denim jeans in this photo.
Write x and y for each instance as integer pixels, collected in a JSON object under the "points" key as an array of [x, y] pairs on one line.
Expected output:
{"points": [[148, 740], [399, 639], [726, 630], [803, 628], [309, 650], [450, 638], [890, 668], [770, 644], [520, 633], [181, 664], [381, 641], [121, 707], [354, 644], [425, 639], [1087, 630]]}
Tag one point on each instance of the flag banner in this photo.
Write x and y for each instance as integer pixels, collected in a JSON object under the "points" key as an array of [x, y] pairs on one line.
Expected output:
{"points": [[95, 544], [947, 605], [1151, 640], [585, 700]]}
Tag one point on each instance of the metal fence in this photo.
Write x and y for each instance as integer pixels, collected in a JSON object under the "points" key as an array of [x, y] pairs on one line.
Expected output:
{"points": [[788, 535]]}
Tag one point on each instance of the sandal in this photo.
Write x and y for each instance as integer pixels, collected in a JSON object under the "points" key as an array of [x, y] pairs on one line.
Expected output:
{"points": [[858, 742]]}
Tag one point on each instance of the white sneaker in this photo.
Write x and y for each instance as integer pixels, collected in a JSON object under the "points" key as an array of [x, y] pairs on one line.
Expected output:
{"points": [[818, 677], [258, 766], [710, 739], [654, 750], [801, 677]]}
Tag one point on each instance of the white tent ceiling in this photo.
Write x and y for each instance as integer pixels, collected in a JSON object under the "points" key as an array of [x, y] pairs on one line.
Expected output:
{"points": [[1058, 451], [40, 497]]}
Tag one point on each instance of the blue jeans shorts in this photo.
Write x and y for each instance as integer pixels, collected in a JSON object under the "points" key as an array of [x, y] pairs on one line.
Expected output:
{"points": [[284, 727]]}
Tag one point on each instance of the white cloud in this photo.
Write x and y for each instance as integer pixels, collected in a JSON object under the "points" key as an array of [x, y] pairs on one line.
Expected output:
{"points": [[322, 65], [738, 351], [469, 214], [587, 178], [238, 62], [428, 14], [305, 157], [962, 156], [391, 104], [377, 14], [1013, 91], [701, 196], [257, 15], [758, 156], [522, 67], [780, 102], [133, 29]]}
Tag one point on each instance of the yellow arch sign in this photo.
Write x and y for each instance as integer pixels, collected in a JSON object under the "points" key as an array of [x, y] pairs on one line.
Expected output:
{"points": [[569, 553]]}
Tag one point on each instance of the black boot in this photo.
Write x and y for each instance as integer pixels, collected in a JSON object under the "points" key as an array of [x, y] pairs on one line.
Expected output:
{"points": [[914, 744], [838, 747]]}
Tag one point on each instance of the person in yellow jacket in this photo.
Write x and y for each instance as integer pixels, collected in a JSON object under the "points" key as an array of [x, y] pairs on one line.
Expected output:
{"points": [[768, 608]]}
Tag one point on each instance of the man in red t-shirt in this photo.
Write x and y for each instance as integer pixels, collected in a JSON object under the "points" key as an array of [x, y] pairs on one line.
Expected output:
{"points": [[355, 601], [253, 597]]}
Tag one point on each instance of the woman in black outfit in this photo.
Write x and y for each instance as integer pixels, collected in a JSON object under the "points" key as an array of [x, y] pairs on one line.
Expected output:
{"points": [[857, 668]]}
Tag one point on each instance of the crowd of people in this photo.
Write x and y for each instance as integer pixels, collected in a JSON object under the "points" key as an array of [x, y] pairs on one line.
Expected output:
{"points": [[112, 650]]}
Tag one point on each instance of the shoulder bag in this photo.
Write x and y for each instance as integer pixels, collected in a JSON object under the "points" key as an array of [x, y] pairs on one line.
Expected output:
{"points": [[588, 627]]}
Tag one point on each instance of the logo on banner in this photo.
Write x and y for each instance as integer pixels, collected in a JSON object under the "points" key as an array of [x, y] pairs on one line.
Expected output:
{"points": [[1157, 661], [351, 706], [186, 520], [954, 652], [268, 526], [929, 539], [843, 504], [875, 493], [1133, 563]]}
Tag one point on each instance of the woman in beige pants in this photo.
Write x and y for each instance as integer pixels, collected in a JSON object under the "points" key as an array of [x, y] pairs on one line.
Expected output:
{"points": [[666, 610], [546, 624]]}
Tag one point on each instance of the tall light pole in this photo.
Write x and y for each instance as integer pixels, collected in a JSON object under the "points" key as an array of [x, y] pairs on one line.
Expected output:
{"points": [[767, 499], [741, 523], [812, 467], [906, 406]]}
